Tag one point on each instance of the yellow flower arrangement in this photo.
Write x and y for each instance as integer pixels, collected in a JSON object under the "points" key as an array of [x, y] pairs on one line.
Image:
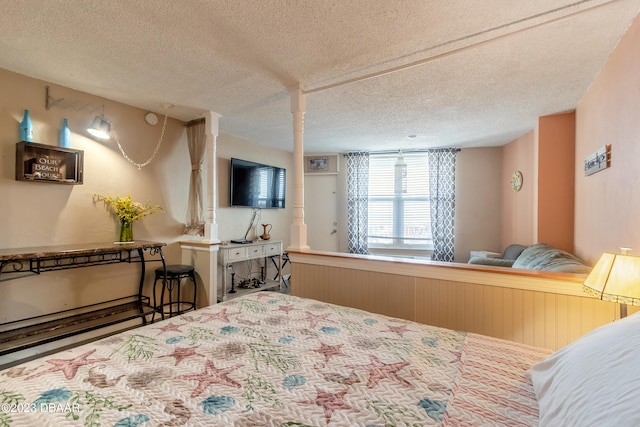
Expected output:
{"points": [[126, 209]]}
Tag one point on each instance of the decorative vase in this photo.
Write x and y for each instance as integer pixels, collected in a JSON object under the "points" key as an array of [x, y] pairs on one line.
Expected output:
{"points": [[267, 229], [26, 128], [65, 135], [126, 231]]}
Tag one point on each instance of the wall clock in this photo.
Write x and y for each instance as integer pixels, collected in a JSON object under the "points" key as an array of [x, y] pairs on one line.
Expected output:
{"points": [[516, 181]]}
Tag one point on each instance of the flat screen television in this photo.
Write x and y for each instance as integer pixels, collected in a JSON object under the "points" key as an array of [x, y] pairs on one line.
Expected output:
{"points": [[254, 185]]}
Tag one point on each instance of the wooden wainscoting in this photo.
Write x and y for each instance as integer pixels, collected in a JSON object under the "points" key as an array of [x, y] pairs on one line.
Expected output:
{"points": [[540, 319], [382, 293], [504, 304]]}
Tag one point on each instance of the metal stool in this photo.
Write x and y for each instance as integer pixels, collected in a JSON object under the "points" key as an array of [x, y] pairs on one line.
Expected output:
{"points": [[285, 260], [175, 274]]}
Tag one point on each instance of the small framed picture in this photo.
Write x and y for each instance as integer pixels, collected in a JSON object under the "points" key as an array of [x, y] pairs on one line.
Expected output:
{"points": [[318, 164], [321, 164]]}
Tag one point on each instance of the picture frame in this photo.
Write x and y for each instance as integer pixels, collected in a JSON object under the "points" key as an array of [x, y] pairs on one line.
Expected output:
{"points": [[46, 163], [318, 164], [321, 164]]}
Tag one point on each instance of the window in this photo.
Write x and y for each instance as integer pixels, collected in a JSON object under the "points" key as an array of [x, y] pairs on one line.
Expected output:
{"points": [[271, 187], [399, 214]]}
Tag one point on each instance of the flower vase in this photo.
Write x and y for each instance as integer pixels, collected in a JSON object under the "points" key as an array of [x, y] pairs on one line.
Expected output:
{"points": [[126, 231], [65, 134], [26, 128]]}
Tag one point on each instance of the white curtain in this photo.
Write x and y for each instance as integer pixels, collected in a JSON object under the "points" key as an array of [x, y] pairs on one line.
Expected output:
{"points": [[197, 143]]}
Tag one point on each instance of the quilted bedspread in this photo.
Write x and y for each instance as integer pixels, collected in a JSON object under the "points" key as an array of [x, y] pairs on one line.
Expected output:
{"points": [[269, 359]]}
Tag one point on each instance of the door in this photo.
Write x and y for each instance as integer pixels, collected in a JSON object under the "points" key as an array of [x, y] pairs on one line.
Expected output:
{"points": [[320, 211]]}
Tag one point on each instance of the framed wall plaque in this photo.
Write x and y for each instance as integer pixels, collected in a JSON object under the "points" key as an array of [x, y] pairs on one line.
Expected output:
{"points": [[598, 161], [45, 163], [326, 163]]}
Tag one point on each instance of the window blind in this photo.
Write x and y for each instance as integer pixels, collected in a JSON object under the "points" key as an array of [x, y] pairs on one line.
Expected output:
{"points": [[399, 220]]}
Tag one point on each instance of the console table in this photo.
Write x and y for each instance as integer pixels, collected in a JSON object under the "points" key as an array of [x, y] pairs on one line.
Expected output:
{"points": [[234, 253], [21, 262]]}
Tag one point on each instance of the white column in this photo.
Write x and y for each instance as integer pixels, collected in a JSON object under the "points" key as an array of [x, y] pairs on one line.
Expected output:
{"points": [[298, 227], [203, 254], [211, 227]]}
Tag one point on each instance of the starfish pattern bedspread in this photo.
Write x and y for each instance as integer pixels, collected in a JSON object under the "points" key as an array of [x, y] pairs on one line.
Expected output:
{"points": [[270, 359]]}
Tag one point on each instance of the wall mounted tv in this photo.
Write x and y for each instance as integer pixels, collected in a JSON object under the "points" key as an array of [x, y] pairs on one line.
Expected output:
{"points": [[254, 185]]}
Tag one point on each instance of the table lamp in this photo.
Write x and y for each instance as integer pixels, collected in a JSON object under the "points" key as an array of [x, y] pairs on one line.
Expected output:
{"points": [[616, 278]]}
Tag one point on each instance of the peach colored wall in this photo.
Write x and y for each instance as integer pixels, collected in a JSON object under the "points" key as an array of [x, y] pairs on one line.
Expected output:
{"points": [[556, 153], [478, 203], [518, 209], [608, 202]]}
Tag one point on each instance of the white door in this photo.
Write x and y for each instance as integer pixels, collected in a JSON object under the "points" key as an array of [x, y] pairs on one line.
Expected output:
{"points": [[320, 211]]}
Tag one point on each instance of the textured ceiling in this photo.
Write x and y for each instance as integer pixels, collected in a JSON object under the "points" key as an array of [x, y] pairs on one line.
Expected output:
{"points": [[451, 73]]}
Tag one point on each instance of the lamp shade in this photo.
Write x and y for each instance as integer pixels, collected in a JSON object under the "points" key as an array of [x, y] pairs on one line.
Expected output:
{"points": [[100, 127], [615, 278]]}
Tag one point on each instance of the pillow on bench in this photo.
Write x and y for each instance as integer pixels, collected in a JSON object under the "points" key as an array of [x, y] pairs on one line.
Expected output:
{"points": [[495, 262], [545, 257], [512, 252]]}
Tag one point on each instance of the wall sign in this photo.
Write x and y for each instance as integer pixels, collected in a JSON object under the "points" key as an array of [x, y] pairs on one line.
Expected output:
{"points": [[45, 163], [600, 160], [327, 164]]}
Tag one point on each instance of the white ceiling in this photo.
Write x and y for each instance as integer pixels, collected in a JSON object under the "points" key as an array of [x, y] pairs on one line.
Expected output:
{"points": [[461, 72]]}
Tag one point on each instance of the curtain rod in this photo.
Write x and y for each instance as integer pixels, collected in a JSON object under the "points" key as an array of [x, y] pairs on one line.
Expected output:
{"points": [[415, 150]]}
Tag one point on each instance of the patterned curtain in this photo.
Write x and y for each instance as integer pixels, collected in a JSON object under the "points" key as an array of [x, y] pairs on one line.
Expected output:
{"points": [[357, 202], [442, 192], [197, 143]]}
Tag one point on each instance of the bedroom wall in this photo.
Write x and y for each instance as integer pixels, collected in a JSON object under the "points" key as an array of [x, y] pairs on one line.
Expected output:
{"points": [[542, 211], [518, 208], [607, 203], [41, 214], [556, 153], [233, 222], [478, 201]]}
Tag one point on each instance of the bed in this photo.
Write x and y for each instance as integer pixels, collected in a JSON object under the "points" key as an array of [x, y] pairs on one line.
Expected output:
{"points": [[271, 359]]}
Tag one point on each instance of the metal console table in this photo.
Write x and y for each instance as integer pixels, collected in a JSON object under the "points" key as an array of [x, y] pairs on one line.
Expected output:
{"points": [[22, 262]]}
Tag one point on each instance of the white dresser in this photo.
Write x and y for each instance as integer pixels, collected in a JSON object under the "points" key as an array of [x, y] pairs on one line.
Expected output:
{"points": [[262, 250]]}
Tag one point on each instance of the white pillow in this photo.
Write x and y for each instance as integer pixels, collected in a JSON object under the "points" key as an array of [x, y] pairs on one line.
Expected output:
{"points": [[594, 381]]}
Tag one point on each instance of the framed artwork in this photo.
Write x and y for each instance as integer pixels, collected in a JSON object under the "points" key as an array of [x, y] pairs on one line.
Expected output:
{"points": [[318, 164], [321, 164]]}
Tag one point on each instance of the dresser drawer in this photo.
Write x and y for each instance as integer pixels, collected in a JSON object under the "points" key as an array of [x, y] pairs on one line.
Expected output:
{"points": [[236, 254], [255, 251], [272, 249]]}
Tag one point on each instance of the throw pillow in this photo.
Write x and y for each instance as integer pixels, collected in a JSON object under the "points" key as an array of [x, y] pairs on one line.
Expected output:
{"points": [[545, 257], [594, 381]]}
